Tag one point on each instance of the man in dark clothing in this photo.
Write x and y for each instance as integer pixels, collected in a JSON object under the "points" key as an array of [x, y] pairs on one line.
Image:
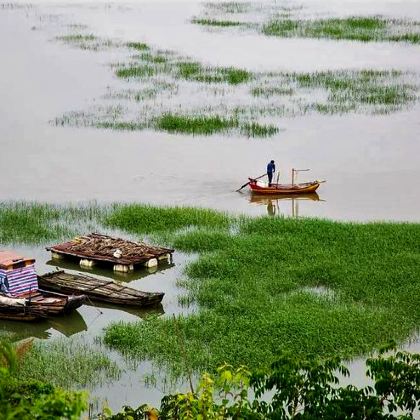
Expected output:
{"points": [[270, 169]]}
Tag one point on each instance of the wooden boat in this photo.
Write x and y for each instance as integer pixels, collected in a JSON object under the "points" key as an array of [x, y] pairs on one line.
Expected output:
{"points": [[20, 297], [37, 305], [98, 289], [260, 187]]}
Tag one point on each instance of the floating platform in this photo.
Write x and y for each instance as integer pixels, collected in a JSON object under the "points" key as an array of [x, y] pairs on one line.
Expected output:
{"points": [[98, 289], [123, 255]]}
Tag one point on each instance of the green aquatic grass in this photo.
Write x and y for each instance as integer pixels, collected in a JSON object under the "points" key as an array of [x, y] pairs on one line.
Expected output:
{"points": [[141, 219], [77, 38], [20, 222], [365, 87], [258, 130], [357, 28], [67, 363], [153, 58], [121, 125], [25, 222], [229, 7], [138, 71], [306, 286], [87, 41], [139, 46], [191, 70], [270, 91], [260, 286], [196, 125], [217, 23]]}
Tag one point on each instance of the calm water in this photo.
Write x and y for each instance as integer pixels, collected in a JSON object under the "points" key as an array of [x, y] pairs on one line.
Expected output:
{"points": [[371, 163]]}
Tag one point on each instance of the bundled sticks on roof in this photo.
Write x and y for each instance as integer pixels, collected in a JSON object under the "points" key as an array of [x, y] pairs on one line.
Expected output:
{"points": [[124, 255]]}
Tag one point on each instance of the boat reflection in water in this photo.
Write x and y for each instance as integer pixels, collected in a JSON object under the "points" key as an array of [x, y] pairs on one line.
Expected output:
{"points": [[273, 202], [67, 325]]}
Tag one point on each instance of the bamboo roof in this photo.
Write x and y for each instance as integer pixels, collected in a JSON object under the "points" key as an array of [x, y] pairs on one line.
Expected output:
{"points": [[99, 247]]}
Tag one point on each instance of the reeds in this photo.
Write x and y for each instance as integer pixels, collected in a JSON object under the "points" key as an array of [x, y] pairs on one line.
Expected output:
{"points": [[67, 363], [357, 28], [195, 125]]}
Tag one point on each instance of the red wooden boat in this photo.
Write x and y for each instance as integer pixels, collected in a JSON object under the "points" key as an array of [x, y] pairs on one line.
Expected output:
{"points": [[261, 187]]}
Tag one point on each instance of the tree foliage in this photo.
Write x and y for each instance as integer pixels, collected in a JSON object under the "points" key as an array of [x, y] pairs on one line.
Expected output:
{"points": [[33, 399], [297, 389]]}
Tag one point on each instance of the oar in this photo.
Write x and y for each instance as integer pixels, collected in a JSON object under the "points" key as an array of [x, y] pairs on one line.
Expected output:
{"points": [[243, 186]]}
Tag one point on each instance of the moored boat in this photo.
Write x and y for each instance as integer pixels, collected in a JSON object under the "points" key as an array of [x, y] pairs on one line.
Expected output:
{"points": [[20, 297], [98, 289]]}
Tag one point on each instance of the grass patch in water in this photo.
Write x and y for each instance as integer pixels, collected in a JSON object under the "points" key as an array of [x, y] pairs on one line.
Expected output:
{"points": [[195, 124], [139, 46], [229, 7], [121, 125], [86, 41], [258, 130], [153, 58], [365, 87], [358, 28], [191, 70], [138, 71], [269, 91], [67, 363], [253, 294], [24, 222], [149, 219], [217, 23]]}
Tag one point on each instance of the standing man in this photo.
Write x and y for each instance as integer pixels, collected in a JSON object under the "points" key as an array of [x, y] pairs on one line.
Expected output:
{"points": [[271, 167]]}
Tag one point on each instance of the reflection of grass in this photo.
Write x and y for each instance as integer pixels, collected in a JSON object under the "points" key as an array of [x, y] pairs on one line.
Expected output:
{"points": [[254, 293], [195, 124], [214, 22], [67, 363], [353, 28]]}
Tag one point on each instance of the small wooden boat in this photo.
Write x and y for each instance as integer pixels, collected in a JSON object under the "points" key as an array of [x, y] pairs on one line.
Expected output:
{"points": [[98, 289], [259, 187], [37, 305], [20, 297]]}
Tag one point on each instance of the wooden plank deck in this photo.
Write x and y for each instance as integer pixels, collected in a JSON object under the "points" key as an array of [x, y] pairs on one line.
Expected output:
{"points": [[98, 289], [124, 255]]}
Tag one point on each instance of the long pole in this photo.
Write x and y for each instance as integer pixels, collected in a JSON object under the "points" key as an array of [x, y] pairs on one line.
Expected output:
{"points": [[243, 186]]}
